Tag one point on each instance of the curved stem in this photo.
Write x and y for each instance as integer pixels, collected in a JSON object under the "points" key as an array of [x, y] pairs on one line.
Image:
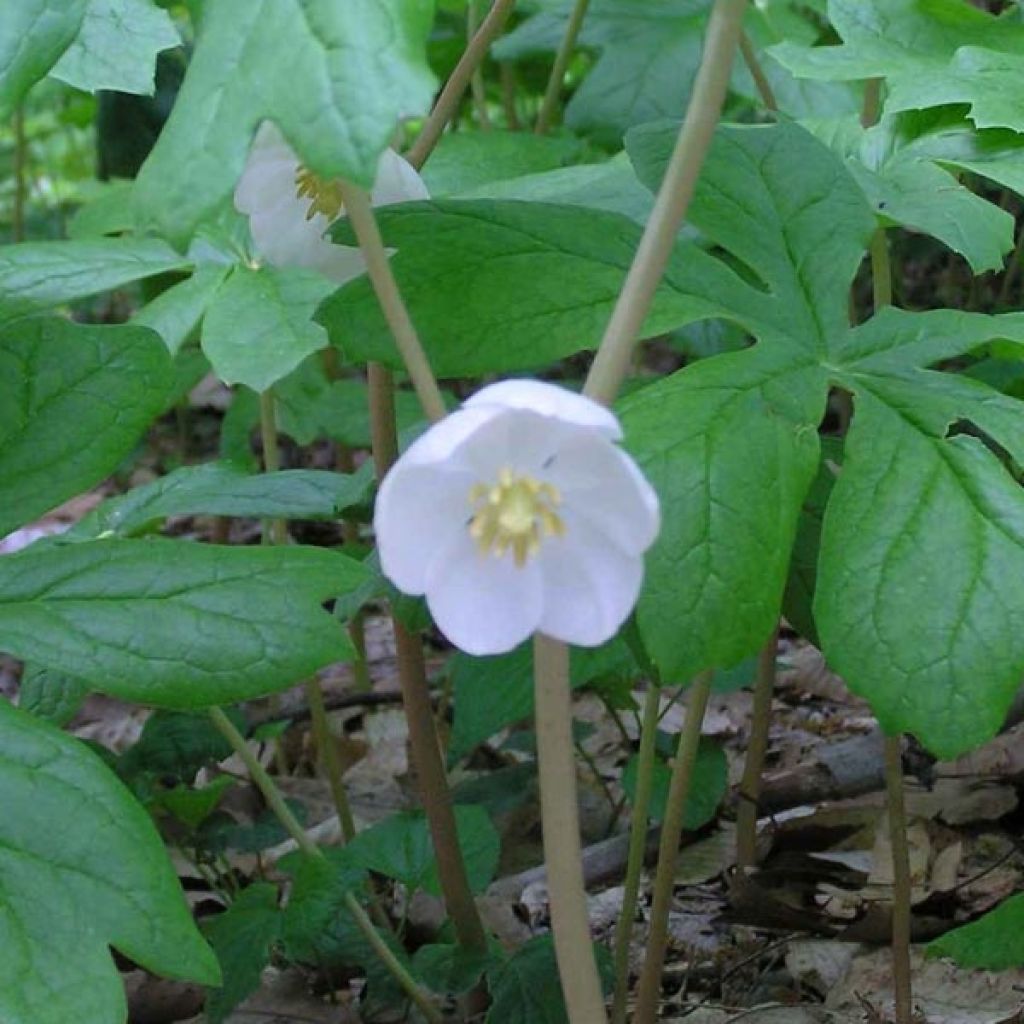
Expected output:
{"points": [[556, 769], [360, 214], [612, 361], [901, 890], [756, 69], [757, 748], [649, 990], [554, 86], [451, 95], [277, 804], [637, 846]]}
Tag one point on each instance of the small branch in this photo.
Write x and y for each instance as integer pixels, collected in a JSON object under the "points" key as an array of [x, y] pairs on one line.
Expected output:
{"points": [[612, 361], [649, 989], [756, 69], [556, 766], [562, 57], [757, 749], [637, 849], [360, 214], [476, 80], [901, 891], [451, 95], [274, 530]]}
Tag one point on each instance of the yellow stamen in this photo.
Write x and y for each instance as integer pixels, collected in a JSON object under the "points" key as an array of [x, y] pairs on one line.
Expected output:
{"points": [[515, 513], [325, 195]]}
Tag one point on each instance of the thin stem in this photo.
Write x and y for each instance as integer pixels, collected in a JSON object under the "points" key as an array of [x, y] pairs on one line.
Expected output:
{"points": [[508, 95], [612, 361], [360, 666], [649, 989], [329, 753], [476, 80], [556, 769], [757, 748], [562, 57], [901, 881], [274, 531], [756, 69], [1012, 271], [872, 107], [360, 214], [20, 153], [881, 270], [451, 95], [276, 802], [637, 847]]}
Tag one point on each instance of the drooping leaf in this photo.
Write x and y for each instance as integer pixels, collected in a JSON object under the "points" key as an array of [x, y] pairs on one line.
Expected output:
{"points": [[175, 313], [994, 942], [61, 904], [73, 402], [334, 77], [51, 696], [174, 624], [116, 46]]}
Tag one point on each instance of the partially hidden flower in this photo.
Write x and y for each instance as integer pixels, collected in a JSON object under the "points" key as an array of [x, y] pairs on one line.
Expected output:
{"points": [[290, 208], [519, 513]]}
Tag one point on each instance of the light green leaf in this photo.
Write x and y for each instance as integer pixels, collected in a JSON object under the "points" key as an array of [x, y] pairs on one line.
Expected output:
{"points": [[994, 942], [223, 489], [33, 35], [73, 402], [116, 47], [50, 695], [61, 904], [496, 286], [40, 275], [259, 325], [176, 312], [334, 77], [174, 624], [106, 212]]}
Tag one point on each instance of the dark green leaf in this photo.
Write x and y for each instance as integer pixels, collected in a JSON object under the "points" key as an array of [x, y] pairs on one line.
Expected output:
{"points": [[994, 942], [176, 744], [51, 695], [452, 970]]}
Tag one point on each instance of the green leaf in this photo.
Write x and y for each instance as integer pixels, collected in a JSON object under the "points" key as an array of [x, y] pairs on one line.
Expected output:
{"points": [[708, 785], [176, 744], [116, 46], [50, 695], [33, 35], [39, 275], [502, 285], [193, 806], [175, 313], [994, 942], [452, 970], [61, 903], [242, 937], [259, 325], [107, 383], [931, 54], [224, 489], [400, 847], [175, 624], [336, 78], [493, 692]]}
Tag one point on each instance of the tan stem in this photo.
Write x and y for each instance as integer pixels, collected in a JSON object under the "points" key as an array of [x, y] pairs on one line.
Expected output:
{"points": [[508, 95], [901, 890], [562, 57], [756, 69], [476, 80], [556, 766], [328, 753]]}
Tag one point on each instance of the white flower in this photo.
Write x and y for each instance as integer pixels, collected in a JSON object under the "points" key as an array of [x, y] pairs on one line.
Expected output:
{"points": [[519, 513], [290, 209]]}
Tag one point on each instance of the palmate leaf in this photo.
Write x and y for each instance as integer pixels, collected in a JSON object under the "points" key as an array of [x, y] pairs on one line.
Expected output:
{"points": [[81, 868], [334, 77], [930, 52], [918, 601]]}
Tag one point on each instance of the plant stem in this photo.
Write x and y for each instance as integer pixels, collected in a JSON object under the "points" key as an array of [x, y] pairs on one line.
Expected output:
{"points": [[426, 754], [637, 846], [649, 989], [20, 152], [872, 102], [274, 531], [756, 69], [881, 270], [556, 769], [508, 95], [364, 223], [327, 750], [901, 893], [757, 748], [557, 76], [476, 80], [613, 357], [451, 95], [276, 802]]}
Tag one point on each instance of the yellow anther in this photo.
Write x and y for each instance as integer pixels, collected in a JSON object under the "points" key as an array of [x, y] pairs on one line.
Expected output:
{"points": [[515, 513], [325, 196]]}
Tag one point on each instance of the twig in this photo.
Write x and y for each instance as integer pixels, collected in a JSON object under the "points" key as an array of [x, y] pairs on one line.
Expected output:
{"points": [[754, 66], [901, 890]]}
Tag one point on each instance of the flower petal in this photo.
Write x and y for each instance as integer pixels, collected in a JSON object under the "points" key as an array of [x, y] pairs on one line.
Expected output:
{"points": [[552, 401], [420, 511], [443, 438], [590, 585], [397, 181], [483, 604]]}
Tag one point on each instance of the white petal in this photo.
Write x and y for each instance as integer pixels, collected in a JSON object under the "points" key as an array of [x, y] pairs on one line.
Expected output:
{"points": [[590, 584], [443, 438], [420, 510], [602, 483], [397, 181], [482, 603], [550, 400], [269, 168]]}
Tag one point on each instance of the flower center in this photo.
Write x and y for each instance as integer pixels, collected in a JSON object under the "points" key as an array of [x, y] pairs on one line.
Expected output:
{"points": [[325, 195], [516, 512]]}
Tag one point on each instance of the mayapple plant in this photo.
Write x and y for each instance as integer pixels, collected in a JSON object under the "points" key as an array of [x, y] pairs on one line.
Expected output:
{"points": [[287, 248]]}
